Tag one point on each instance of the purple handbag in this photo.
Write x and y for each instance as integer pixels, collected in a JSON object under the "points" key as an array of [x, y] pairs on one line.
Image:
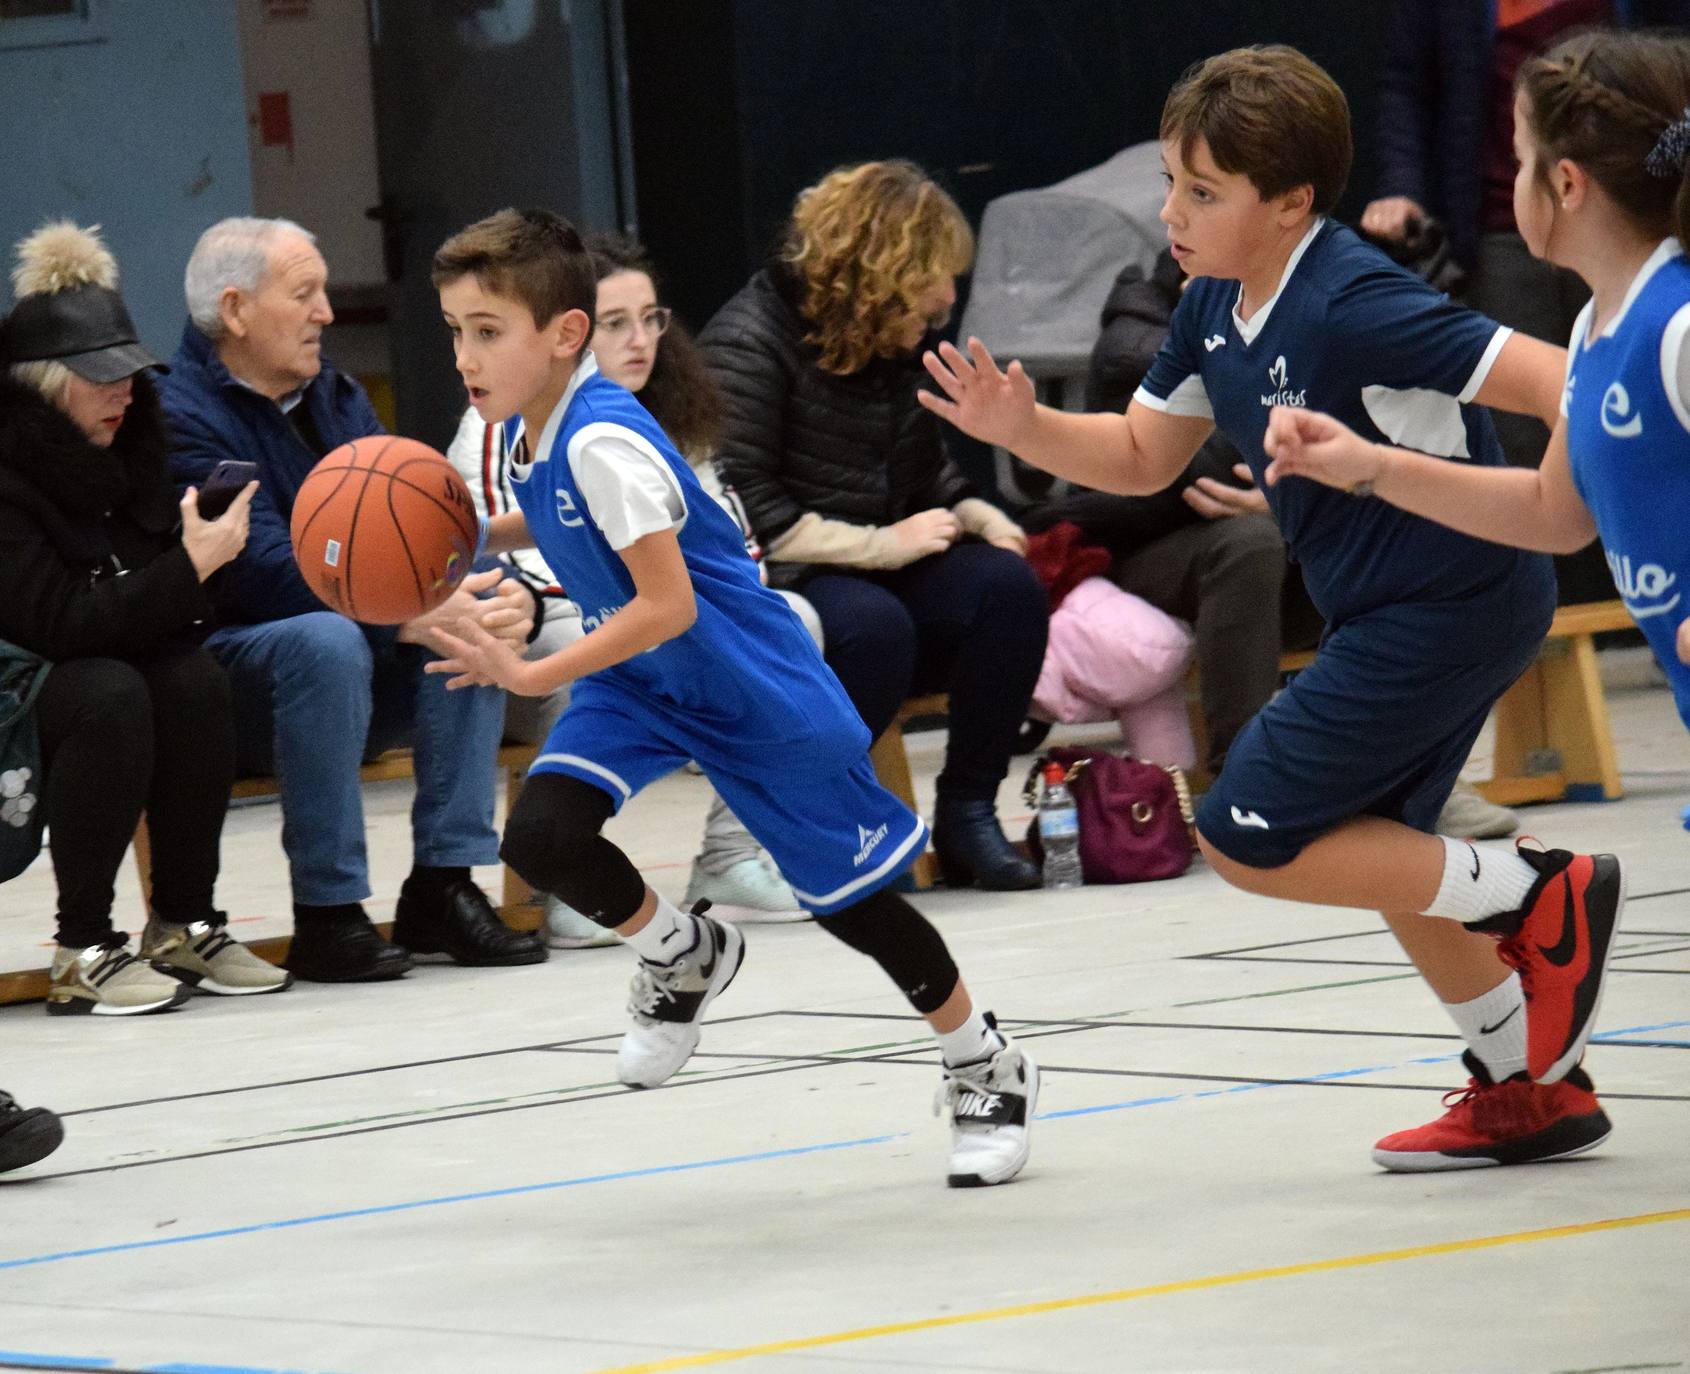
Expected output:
{"points": [[1135, 817]]}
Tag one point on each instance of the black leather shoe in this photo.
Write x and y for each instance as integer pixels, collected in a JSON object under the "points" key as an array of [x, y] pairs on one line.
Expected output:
{"points": [[461, 923], [26, 1134], [972, 848], [343, 949]]}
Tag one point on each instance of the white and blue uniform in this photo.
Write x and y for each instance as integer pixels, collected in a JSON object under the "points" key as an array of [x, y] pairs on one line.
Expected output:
{"points": [[1627, 405], [744, 691], [1426, 627]]}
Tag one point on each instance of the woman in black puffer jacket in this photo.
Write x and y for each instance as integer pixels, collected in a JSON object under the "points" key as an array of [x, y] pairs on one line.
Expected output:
{"points": [[101, 573], [920, 584]]}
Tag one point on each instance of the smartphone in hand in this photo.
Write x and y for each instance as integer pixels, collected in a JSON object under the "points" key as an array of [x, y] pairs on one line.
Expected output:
{"points": [[223, 486]]}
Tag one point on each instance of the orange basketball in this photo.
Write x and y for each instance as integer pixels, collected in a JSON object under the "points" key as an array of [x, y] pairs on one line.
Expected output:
{"points": [[383, 529]]}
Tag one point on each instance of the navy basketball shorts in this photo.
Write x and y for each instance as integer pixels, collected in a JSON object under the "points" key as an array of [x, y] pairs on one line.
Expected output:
{"points": [[836, 834], [1366, 730]]}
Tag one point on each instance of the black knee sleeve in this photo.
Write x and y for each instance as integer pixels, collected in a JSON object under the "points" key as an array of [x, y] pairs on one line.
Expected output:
{"points": [[903, 942], [552, 840]]}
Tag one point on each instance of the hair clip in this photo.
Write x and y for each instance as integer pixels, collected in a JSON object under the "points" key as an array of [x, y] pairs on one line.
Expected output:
{"points": [[1667, 158]]}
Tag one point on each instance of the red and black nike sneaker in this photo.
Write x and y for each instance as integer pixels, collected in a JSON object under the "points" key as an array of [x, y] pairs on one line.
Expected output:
{"points": [[1515, 1121], [1559, 941]]}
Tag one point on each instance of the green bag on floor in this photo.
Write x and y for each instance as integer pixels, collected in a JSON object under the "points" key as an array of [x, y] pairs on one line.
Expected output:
{"points": [[22, 817]]}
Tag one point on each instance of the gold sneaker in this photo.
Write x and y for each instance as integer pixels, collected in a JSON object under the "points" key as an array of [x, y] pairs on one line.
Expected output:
{"points": [[107, 980], [204, 956]]}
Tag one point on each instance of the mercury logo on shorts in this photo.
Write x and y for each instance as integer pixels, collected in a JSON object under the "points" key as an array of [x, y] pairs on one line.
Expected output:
{"points": [[867, 840]]}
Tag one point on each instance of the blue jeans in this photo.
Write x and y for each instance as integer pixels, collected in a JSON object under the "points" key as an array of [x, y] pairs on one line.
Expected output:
{"points": [[313, 700]]}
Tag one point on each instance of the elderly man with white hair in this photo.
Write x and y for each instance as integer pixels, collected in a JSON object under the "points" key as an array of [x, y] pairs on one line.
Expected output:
{"points": [[316, 693]]}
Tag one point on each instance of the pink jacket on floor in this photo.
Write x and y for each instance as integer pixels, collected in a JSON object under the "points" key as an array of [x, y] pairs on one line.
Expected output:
{"points": [[1112, 655]]}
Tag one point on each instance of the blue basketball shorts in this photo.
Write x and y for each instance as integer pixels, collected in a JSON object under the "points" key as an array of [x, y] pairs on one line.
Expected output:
{"points": [[837, 835], [1368, 729]]}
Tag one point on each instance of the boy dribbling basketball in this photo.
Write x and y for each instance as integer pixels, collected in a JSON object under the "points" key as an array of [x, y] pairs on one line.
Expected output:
{"points": [[687, 656], [1331, 793]]}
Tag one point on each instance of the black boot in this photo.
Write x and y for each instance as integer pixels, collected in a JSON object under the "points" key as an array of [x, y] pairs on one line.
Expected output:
{"points": [[459, 921], [972, 848], [337, 944], [26, 1135]]}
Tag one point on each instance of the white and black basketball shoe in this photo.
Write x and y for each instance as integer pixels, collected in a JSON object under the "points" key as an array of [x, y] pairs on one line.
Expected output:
{"points": [[991, 1104], [667, 1001]]}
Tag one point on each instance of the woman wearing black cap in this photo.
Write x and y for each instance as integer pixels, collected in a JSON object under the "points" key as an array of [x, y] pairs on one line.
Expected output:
{"points": [[101, 573]]}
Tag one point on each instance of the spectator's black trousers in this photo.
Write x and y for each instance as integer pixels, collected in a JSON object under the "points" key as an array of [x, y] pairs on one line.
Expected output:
{"points": [[971, 621], [121, 737]]}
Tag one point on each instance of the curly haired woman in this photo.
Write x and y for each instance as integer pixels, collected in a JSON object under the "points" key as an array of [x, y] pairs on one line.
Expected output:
{"points": [[919, 583]]}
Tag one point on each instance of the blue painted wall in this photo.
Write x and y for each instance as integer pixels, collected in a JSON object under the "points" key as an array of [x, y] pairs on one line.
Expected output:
{"points": [[143, 133]]}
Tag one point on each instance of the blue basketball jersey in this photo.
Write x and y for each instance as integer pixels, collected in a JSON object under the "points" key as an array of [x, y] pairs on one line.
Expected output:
{"points": [[745, 686], [1628, 444], [1352, 334]]}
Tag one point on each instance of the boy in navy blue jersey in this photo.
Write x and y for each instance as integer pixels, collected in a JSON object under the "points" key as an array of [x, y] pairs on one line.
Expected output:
{"points": [[1331, 794], [686, 656]]}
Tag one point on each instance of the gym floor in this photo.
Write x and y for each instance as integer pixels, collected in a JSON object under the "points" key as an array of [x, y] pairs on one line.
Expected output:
{"points": [[441, 1174]]}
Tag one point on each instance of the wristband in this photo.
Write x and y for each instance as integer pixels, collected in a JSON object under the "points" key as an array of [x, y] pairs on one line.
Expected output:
{"points": [[484, 528]]}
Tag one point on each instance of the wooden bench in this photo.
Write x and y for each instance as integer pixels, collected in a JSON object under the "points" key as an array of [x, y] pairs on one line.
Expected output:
{"points": [[518, 907], [1553, 738]]}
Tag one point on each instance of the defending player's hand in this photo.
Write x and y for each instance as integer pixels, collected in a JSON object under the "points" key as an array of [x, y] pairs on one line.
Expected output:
{"points": [[1216, 500], [1306, 443], [993, 406], [475, 658]]}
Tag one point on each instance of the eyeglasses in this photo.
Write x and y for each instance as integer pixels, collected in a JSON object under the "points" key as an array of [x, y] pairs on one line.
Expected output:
{"points": [[619, 326]]}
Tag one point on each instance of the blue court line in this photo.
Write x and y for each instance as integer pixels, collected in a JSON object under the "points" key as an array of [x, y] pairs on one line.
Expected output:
{"points": [[79, 1362], [694, 1165], [389, 1208]]}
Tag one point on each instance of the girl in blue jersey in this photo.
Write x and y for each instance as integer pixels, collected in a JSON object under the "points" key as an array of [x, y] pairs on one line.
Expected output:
{"points": [[1331, 794], [1602, 132], [686, 656]]}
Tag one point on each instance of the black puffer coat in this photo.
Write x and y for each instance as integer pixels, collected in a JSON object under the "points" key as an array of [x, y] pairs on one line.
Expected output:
{"points": [[857, 448], [91, 561]]}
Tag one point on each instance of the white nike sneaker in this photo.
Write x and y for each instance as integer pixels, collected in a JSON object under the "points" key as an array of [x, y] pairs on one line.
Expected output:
{"points": [[667, 1001], [991, 1104]]}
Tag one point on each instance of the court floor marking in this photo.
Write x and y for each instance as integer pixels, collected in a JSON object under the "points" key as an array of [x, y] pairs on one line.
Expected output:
{"points": [[766, 1064], [1233, 1086], [1155, 1290]]}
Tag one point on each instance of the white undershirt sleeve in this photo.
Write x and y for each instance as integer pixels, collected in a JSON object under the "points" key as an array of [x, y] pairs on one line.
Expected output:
{"points": [[629, 490], [1675, 364]]}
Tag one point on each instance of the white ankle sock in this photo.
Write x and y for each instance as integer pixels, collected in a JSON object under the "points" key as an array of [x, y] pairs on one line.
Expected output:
{"points": [[1494, 1027], [669, 934], [970, 1042], [1480, 882]]}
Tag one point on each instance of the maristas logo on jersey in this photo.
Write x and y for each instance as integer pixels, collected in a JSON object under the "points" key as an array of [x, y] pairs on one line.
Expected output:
{"points": [[1643, 586], [1282, 394]]}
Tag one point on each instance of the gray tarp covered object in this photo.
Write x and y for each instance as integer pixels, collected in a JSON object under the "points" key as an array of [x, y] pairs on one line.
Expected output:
{"points": [[1048, 256]]}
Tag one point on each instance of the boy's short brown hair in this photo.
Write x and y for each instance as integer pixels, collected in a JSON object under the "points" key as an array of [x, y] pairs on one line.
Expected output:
{"points": [[532, 256], [1268, 113]]}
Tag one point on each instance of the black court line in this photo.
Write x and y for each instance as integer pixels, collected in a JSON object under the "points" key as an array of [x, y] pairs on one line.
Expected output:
{"points": [[377, 1068], [772, 1065], [1383, 932]]}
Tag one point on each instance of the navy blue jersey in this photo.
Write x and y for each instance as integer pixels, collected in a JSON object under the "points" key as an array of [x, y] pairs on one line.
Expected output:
{"points": [[1352, 334], [1628, 443]]}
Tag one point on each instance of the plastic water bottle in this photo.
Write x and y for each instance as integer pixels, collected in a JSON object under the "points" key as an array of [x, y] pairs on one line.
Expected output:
{"points": [[1059, 831]]}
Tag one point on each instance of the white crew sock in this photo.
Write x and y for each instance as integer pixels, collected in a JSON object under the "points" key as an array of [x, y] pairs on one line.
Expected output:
{"points": [[1480, 882], [668, 935], [970, 1042], [1494, 1027]]}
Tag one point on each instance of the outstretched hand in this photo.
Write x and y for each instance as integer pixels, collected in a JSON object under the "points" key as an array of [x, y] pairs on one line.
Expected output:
{"points": [[1306, 443], [476, 658], [993, 406]]}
